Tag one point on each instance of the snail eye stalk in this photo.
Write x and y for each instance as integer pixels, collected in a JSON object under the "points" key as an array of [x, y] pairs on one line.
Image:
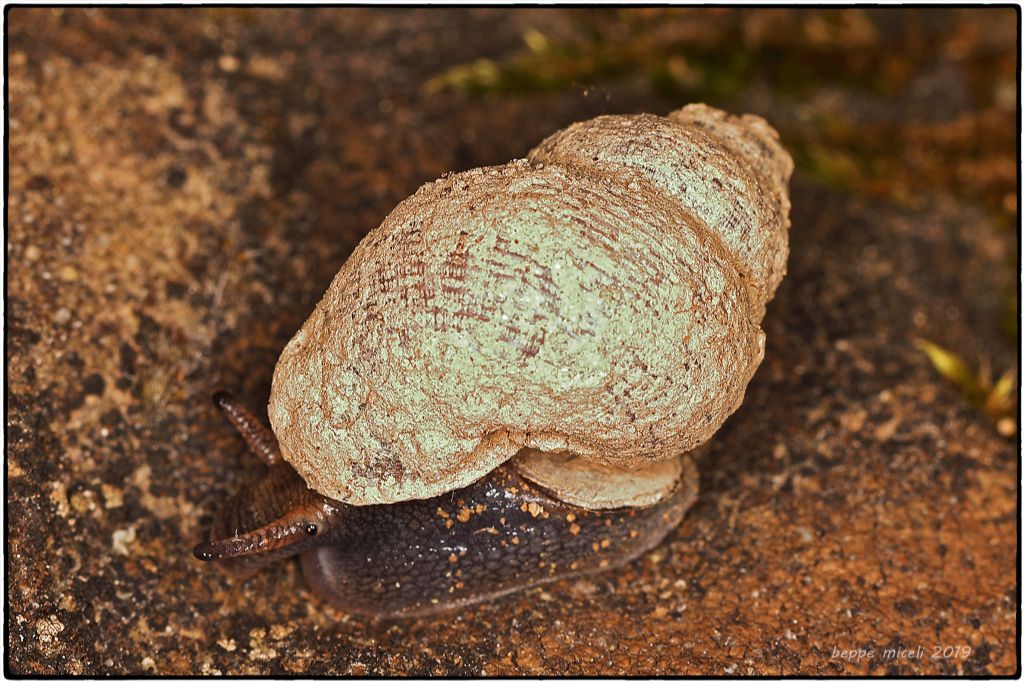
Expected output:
{"points": [[259, 438], [274, 536]]}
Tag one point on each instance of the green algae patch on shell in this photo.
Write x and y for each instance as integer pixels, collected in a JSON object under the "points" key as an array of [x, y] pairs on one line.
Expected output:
{"points": [[509, 307], [729, 172]]}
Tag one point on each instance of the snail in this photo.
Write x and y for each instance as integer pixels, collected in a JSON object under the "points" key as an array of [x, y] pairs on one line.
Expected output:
{"points": [[501, 384]]}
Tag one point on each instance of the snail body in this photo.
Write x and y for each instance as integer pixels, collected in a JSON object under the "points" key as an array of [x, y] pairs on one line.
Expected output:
{"points": [[495, 536], [552, 334]]}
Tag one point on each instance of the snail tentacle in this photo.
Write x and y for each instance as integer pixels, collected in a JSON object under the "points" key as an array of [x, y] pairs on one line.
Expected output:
{"points": [[276, 517], [304, 524], [262, 540], [259, 438]]}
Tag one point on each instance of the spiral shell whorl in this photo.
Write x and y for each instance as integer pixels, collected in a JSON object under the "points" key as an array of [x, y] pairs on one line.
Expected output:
{"points": [[560, 307], [730, 172]]}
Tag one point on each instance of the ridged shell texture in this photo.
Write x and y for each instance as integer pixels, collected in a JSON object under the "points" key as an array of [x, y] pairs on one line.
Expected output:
{"points": [[602, 298]]}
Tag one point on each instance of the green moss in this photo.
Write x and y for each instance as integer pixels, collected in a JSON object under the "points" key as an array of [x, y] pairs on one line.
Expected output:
{"points": [[543, 66]]}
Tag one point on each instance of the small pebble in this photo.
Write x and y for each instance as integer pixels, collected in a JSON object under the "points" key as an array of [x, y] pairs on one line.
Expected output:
{"points": [[122, 539], [49, 628], [112, 496], [62, 316], [228, 63]]}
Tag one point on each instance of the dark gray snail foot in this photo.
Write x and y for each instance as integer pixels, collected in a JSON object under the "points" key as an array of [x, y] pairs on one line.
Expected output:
{"points": [[500, 535]]}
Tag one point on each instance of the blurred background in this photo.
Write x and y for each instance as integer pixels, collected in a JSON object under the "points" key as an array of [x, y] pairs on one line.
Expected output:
{"points": [[183, 185]]}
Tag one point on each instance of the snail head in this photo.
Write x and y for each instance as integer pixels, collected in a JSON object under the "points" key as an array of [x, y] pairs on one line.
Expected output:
{"points": [[276, 517]]}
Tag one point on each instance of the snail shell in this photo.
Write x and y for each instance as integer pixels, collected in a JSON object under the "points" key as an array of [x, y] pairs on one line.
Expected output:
{"points": [[566, 305], [728, 171], [507, 373]]}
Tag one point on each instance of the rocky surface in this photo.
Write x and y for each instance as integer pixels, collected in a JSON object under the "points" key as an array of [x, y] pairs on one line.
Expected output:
{"points": [[183, 186]]}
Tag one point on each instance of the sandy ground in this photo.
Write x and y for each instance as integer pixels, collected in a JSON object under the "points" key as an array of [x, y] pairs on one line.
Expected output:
{"points": [[183, 186]]}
